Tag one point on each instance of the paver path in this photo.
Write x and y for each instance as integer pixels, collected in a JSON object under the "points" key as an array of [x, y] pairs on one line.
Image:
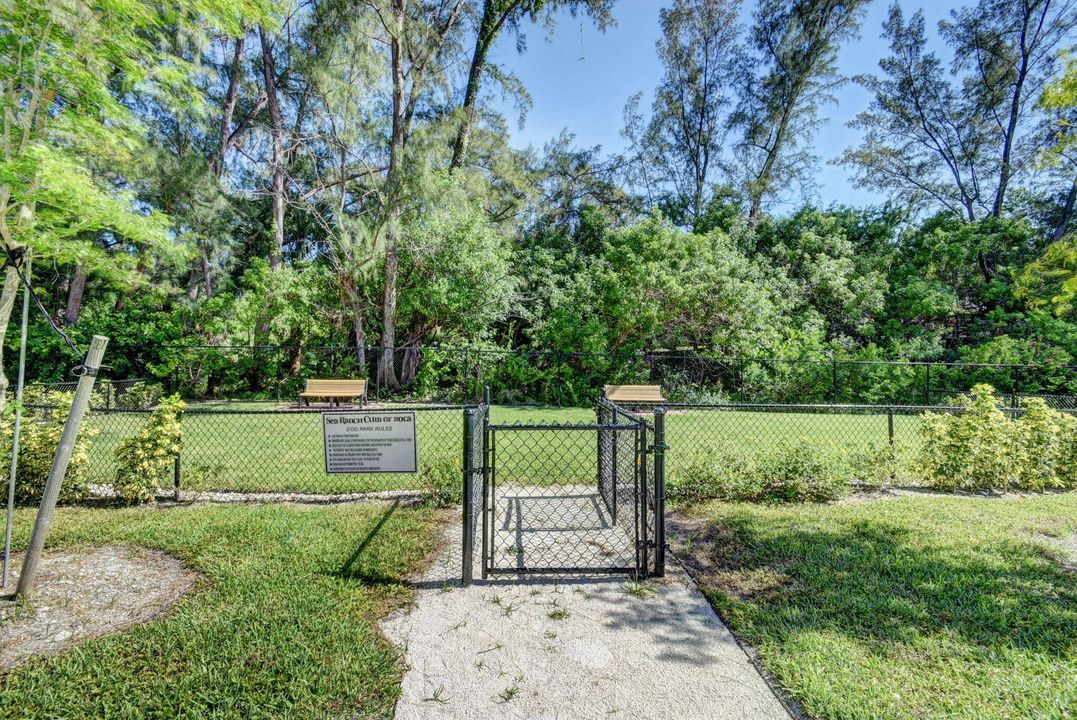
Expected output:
{"points": [[587, 647]]}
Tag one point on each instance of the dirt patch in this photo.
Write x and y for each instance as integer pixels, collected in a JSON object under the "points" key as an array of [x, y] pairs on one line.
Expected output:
{"points": [[1068, 545], [713, 555], [82, 594], [1065, 547]]}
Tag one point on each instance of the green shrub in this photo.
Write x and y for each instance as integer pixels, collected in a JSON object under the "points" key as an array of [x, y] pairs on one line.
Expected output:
{"points": [[442, 481], [1066, 465], [796, 472], [715, 476], [144, 459], [804, 472], [983, 449], [876, 466], [139, 395], [39, 436], [1041, 436]]}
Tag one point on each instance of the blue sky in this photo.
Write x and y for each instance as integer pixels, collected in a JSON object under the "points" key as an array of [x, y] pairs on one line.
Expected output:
{"points": [[580, 78]]}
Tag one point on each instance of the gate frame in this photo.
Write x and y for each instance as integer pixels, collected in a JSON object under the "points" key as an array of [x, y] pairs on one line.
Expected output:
{"points": [[649, 501]]}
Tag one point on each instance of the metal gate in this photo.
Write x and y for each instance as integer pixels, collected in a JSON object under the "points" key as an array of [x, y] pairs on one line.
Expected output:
{"points": [[566, 498]]}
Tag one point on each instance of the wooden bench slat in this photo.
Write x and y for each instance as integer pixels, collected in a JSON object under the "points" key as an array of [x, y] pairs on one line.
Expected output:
{"points": [[334, 388], [634, 393]]}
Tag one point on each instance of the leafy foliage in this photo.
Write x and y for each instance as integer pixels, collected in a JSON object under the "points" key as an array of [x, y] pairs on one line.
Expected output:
{"points": [[144, 459], [39, 436], [981, 448], [794, 472]]}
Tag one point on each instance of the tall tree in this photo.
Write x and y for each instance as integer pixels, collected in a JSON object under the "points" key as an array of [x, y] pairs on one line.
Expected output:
{"points": [[793, 72], [923, 139], [417, 33], [958, 141], [1060, 101], [276, 131], [494, 18], [62, 119], [677, 155], [1007, 48]]}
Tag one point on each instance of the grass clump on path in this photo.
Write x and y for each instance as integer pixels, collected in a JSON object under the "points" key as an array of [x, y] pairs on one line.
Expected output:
{"points": [[903, 607], [283, 625]]}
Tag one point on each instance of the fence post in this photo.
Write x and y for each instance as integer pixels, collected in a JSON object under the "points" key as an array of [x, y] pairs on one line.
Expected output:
{"points": [[927, 384], [660, 492], [890, 438], [59, 464], [466, 543], [467, 375], [176, 475], [833, 379], [486, 395], [19, 386]]}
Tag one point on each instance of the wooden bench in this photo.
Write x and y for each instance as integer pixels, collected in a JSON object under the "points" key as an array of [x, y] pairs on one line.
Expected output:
{"points": [[334, 391], [633, 393]]}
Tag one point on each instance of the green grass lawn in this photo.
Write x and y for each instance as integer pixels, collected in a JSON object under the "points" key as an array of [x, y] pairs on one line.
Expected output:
{"points": [[913, 607], [269, 451], [282, 451], [282, 626]]}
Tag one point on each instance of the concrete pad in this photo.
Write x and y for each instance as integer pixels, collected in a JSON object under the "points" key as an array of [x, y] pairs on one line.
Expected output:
{"points": [[563, 526], [570, 647]]}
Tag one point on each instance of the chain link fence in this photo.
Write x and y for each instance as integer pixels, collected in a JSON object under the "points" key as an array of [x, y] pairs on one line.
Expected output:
{"points": [[546, 513], [274, 455], [277, 374], [278, 454]]}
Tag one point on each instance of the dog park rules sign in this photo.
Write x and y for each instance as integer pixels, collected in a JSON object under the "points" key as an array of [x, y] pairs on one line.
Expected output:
{"points": [[379, 442]]}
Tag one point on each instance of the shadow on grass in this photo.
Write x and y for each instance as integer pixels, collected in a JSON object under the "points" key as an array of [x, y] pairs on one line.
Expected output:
{"points": [[881, 583], [359, 566]]}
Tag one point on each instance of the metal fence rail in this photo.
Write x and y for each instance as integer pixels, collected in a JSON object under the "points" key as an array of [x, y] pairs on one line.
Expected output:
{"points": [[694, 430]]}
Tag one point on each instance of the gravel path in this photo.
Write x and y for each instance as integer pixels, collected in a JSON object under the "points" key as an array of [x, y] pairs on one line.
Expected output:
{"points": [[583, 647]]}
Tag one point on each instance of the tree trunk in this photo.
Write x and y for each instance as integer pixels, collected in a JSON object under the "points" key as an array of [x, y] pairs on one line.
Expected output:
{"points": [[201, 272], [359, 337], [409, 368], [207, 275], [1067, 210], [386, 366], [295, 354], [488, 29], [1005, 167], [7, 302], [762, 179], [269, 73], [75, 292], [193, 279], [229, 108]]}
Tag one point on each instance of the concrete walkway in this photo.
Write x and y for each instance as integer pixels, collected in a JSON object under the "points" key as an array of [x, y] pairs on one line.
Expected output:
{"points": [[584, 647]]}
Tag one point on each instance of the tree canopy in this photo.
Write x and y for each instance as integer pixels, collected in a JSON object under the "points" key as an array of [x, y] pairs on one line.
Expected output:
{"points": [[329, 173]]}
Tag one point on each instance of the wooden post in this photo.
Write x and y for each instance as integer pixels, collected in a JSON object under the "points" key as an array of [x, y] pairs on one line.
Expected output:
{"points": [[59, 465], [20, 384]]}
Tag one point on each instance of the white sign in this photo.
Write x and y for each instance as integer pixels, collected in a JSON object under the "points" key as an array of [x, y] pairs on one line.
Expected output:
{"points": [[371, 442]]}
